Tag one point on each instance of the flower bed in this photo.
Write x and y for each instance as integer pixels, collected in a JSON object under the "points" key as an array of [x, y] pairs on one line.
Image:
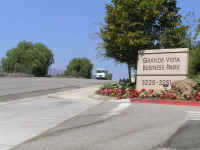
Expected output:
{"points": [[147, 94]]}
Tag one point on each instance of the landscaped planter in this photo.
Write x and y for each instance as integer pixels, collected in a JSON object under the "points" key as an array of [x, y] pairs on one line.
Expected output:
{"points": [[151, 96]]}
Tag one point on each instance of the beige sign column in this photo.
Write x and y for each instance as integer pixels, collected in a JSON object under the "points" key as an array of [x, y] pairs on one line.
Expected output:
{"points": [[161, 67]]}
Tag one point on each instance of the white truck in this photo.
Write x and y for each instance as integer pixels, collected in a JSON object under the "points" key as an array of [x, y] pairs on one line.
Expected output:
{"points": [[101, 73]]}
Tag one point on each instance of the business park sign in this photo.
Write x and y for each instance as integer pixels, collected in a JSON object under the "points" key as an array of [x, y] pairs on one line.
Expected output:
{"points": [[159, 68]]}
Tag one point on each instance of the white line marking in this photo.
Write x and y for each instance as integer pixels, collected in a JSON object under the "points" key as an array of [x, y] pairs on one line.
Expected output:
{"points": [[193, 115], [116, 110]]}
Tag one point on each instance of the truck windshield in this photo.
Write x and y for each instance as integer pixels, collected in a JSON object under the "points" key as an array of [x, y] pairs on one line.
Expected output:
{"points": [[101, 71]]}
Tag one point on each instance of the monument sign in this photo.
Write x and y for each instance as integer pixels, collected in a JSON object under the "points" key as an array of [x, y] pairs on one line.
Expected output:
{"points": [[159, 68]]}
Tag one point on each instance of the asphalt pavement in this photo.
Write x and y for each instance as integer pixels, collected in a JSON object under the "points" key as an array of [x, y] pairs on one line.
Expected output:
{"points": [[185, 138], [18, 88], [23, 119], [113, 126], [75, 119]]}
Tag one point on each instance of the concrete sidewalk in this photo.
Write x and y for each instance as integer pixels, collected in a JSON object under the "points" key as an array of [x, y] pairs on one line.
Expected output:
{"points": [[87, 93], [24, 119]]}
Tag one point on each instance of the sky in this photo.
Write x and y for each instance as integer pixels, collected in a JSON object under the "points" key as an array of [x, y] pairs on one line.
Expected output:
{"points": [[66, 27]]}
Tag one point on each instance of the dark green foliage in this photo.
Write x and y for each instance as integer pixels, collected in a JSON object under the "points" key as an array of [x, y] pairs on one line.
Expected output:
{"points": [[133, 25], [126, 83], [193, 44], [110, 76], [198, 82], [107, 86], [79, 67], [28, 58], [171, 31], [194, 61], [1, 69]]}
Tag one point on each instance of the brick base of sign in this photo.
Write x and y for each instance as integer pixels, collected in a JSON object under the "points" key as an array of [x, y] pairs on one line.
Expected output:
{"points": [[167, 102]]}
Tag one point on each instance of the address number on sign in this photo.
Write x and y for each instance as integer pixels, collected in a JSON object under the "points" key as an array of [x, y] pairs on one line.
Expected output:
{"points": [[156, 82]]}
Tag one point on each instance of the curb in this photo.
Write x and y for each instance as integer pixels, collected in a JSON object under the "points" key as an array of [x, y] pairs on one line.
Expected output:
{"points": [[167, 102]]}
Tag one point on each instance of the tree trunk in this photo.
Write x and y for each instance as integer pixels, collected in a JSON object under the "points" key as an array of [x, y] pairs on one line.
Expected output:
{"points": [[129, 71]]}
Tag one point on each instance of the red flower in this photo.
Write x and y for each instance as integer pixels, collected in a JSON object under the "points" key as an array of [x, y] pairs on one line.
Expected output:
{"points": [[138, 92], [119, 97], [128, 90], [143, 90], [147, 95], [166, 95], [173, 95], [133, 95], [190, 96], [197, 98], [106, 92], [158, 95], [99, 91], [198, 93], [121, 92]]}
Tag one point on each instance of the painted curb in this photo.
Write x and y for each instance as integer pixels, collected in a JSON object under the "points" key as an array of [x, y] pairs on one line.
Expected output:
{"points": [[167, 102]]}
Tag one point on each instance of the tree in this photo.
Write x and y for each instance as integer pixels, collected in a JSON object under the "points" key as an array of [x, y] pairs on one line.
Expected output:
{"points": [[194, 63], [79, 67], [193, 43], [133, 25], [28, 58], [110, 76], [171, 31], [1, 70]]}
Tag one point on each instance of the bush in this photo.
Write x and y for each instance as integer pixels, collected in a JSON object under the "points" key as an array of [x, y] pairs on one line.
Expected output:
{"points": [[194, 63], [122, 84], [79, 67], [126, 83], [198, 82], [107, 86], [28, 58], [110, 76]]}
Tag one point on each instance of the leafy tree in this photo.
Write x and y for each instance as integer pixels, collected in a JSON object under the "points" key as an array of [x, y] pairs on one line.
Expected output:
{"points": [[110, 76], [194, 63], [1, 68], [28, 58], [79, 67], [193, 43], [133, 25], [171, 31]]}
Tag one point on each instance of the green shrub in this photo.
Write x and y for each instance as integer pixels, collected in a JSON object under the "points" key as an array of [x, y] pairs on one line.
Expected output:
{"points": [[126, 83], [110, 76], [107, 86], [79, 67], [198, 82], [28, 58]]}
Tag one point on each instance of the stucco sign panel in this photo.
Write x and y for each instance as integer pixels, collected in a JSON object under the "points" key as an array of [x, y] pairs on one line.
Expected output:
{"points": [[159, 67]]}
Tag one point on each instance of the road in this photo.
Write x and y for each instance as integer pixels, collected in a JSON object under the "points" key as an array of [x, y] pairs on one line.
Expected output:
{"points": [[27, 110], [74, 121], [115, 126], [18, 88]]}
